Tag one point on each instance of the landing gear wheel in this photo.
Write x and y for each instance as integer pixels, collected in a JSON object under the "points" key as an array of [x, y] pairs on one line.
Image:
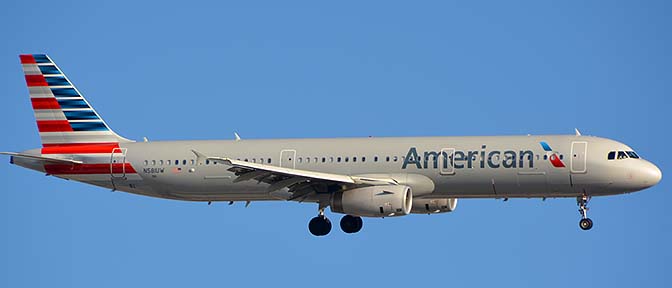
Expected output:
{"points": [[319, 226], [586, 224], [351, 224]]}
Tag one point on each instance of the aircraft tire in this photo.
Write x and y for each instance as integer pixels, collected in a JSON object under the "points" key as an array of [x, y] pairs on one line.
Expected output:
{"points": [[351, 224], [319, 226], [586, 224]]}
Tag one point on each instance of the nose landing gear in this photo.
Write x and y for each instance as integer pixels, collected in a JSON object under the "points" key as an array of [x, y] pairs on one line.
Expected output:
{"points": [[585, 223]]}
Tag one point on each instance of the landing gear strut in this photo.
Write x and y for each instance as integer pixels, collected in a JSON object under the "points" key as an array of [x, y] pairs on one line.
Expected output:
{"points": [[585, 223], [320, 225], [351, 224]]}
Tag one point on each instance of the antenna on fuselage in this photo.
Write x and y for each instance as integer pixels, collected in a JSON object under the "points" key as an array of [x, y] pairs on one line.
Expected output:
{"points": [[578, 133], [237, 136]]}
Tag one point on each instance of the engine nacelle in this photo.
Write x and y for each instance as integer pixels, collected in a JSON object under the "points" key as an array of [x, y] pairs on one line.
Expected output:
{"points": [[374, 201], [433, 206]]}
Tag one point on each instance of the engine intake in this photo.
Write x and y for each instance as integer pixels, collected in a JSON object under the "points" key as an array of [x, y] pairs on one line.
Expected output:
{"points": [[374, 201]]}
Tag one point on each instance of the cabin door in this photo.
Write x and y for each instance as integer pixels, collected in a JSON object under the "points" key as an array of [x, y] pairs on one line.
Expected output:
{"points": [[579, 156], [118, 163], [446, 166], [288, 158]]}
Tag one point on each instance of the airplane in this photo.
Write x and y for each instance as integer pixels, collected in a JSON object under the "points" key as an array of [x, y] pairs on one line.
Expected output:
{"points": [[357, 177]]}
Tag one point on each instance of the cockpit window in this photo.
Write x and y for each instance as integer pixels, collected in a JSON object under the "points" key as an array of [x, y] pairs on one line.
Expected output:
{"points": [[632, 154], [622, 155], [611, 155]]}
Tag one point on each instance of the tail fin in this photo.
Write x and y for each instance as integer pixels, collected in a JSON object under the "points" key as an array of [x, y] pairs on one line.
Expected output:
{"points": [[63, 116]]}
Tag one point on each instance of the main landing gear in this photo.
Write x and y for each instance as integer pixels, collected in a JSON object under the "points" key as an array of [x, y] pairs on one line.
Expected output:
{"points": [[585, 223], [321, 225], [351, 224]]}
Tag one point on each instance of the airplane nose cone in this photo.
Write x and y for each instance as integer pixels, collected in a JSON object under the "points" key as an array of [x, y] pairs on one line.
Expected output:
{"points": [[651, 174], [656, 174]]}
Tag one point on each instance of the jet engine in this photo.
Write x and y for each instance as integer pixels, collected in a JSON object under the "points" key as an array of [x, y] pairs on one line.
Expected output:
{"points": [[374, 201], [433, 206]]}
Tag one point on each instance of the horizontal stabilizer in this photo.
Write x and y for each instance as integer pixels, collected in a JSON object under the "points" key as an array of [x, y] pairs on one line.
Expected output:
{"points": [[42, 158]]}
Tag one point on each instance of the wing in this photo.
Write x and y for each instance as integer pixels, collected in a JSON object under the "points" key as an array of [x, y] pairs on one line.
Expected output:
{"points": [[301, 182]]}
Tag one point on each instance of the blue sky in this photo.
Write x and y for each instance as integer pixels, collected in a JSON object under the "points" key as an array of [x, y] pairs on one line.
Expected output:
{"points": [[202, 70]]}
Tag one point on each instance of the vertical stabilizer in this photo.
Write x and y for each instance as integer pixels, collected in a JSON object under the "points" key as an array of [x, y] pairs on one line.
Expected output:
{"points": [[63, 116]]}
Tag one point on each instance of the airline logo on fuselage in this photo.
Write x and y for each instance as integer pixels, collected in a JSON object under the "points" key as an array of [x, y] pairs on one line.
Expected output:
{"points": [[553, 158], [469, 159], [482, 158]]}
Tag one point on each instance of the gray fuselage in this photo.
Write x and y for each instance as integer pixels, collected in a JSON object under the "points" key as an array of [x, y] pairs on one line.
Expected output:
{"points": [[459, 167]]}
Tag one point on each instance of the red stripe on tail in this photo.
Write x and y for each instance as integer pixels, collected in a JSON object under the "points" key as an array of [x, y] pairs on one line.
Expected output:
{"points": [[36, 80], [54, 126], [80, 148], [27, 59], [45, 103]]}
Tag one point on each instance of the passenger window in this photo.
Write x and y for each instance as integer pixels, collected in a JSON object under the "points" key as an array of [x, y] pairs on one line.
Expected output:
{"points": [[300, 159], [611, 155], [161, 162], [354, 159], [184, 162], [324, 159], [338, 159], [315, 159], [153, 162], [177, 162], [207, 162], [346, 159], [331, 159], [261, 160], [387, 159], [363, 159], [146, 162], [290, 159], [307, 159], [395, 158], [375, 158], [269, 161], [191, 161], [622, 155]]}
